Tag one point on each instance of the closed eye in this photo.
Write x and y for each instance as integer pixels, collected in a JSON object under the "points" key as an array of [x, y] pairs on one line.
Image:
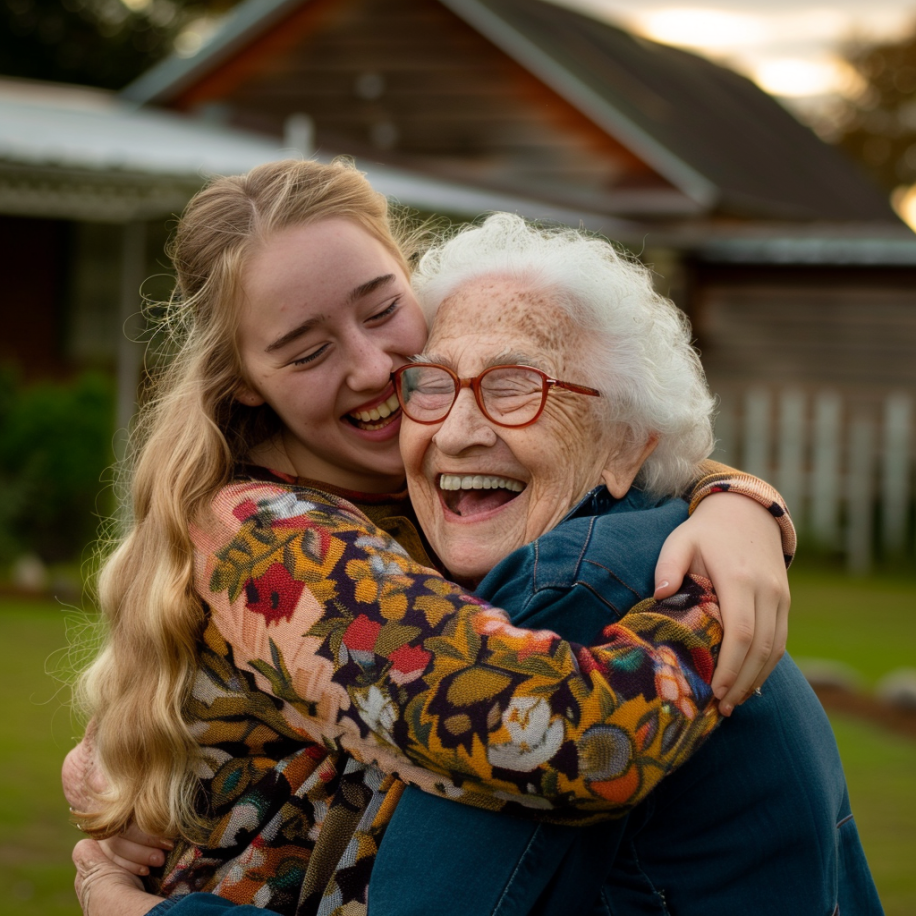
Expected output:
{"points": [[311, 357], [390, 310]]}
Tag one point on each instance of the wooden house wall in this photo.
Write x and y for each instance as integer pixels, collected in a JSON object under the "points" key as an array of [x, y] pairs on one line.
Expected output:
{"points": [[851, 330], [407, 81]]}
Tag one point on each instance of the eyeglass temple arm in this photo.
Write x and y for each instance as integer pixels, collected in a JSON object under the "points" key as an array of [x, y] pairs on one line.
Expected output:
{"points": [[578, 389]]}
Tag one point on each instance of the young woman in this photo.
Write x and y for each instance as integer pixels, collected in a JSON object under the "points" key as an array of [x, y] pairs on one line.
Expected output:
{"points": [[266, 474]]}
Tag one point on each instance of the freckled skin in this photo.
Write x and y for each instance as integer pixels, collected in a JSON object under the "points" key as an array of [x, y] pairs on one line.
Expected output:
{"points": [[308, 273], [560, 458]]}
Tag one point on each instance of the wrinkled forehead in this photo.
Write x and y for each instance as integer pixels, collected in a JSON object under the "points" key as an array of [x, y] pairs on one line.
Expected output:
{"points": [[514, 315]]}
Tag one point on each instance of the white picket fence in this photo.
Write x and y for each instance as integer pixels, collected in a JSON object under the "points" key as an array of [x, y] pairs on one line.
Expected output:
{"points": [[846, 473]]}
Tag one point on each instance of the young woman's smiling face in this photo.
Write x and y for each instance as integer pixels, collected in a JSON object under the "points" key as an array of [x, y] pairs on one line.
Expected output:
{"points": [[327, 314]]}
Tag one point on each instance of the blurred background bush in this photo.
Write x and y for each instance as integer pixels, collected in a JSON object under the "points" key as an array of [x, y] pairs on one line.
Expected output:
{"points": [[55, 446]]}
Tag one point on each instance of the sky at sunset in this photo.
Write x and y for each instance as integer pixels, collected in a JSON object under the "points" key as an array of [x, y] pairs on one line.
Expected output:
{"points": [[787, 46]]}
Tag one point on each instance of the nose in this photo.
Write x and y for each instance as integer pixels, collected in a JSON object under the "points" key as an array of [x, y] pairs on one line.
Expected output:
{"points": [[464, 427], [368, 364]]}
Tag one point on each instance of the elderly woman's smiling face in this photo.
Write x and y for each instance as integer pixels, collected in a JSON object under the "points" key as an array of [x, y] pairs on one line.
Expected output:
{"points": [[555, 461]]}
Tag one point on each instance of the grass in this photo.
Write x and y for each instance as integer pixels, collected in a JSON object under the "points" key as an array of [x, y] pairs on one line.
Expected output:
{"points": [[869, 624], [881, 774], [36, 876]]}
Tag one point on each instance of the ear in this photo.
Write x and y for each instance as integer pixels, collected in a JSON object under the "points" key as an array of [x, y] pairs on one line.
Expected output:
{"points": [[624, 463], [248, 396]]}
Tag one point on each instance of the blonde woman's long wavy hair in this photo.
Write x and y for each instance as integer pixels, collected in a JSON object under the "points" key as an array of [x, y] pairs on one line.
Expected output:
{"points": [[189, 435]]}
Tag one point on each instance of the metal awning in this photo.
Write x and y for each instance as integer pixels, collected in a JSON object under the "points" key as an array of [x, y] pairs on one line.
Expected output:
{"points": [[86, 154]]}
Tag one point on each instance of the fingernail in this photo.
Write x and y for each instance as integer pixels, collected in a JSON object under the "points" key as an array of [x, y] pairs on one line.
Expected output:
{"points": [[661, 585], [726, 709], [143, 870], [169, 844]]}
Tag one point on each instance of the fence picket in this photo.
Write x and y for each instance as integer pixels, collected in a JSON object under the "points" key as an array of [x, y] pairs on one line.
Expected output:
{"points": [[895, 472], [860, 495], [834, 470], [791, 452], [756, 457], [825, 478]]}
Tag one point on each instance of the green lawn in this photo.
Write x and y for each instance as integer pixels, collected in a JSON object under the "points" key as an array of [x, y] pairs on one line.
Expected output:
{"points": [[869, 624], [36, 877]]}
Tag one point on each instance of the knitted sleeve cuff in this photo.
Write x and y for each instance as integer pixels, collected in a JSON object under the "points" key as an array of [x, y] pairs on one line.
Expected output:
{"points": [[719, 478]]}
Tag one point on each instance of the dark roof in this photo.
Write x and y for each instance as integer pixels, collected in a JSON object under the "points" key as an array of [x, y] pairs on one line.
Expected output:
{"points": [[683, 113], [711, 132]]}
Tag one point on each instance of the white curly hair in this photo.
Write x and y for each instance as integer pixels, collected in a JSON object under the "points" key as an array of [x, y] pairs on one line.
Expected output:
{"points": [[641, 358]]}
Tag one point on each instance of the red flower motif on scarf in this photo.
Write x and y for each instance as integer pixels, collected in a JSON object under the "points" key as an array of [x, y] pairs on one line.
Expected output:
{"points": [[244, 511], [361, 635], [408, 663], [273, 595], [703, 661]]}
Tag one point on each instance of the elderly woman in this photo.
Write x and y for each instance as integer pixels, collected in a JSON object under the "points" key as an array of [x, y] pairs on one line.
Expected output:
{"points": [[500, 455]]}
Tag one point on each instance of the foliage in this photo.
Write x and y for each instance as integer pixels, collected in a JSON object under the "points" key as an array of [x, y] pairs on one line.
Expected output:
{"points": [[103, 43], [877, 127], [55, 444]]}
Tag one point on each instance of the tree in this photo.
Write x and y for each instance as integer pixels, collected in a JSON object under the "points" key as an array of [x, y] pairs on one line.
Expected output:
{"points": [[877, 126], [104, 43]]}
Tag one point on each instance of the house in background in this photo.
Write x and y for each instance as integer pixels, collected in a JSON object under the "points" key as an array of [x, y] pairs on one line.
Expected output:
{"points": [[798, 276], [763, 233], [795, 271], [89, 187]]}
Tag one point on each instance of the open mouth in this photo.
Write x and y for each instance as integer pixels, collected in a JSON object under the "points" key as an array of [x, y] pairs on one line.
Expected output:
{"points": [[473, 494], [378, 417]]}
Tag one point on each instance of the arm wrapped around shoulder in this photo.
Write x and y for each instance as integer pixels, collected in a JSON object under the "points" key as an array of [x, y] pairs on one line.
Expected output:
{"points": [[368, 651]]}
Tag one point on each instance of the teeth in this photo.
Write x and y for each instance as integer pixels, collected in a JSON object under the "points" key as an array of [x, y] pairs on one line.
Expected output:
{"points": [[479, 482], [379, 412]]}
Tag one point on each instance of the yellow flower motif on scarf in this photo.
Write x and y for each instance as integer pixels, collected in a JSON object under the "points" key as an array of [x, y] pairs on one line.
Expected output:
{"points": [[380, 583]]}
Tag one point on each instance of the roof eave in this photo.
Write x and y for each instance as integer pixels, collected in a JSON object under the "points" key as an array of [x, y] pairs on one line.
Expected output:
{"points": [[521, 49], [169, 77]]}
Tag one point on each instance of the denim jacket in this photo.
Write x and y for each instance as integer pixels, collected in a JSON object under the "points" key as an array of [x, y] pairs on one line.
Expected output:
{"points": [[757, 822]]}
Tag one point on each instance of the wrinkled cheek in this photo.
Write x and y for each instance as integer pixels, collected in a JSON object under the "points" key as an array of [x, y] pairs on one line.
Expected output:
{"points": [[427, 507]]}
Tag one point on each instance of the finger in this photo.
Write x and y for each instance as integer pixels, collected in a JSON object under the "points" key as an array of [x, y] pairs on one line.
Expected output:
{"points": [[739, 622], [132, 856], [771, 635], [779, 642], [755, 661], [141, 871], [88, 855], [136, 835], [673, 563]]}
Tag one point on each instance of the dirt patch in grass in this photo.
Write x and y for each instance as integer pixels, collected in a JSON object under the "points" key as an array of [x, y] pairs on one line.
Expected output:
{"points": [[897, 719]]}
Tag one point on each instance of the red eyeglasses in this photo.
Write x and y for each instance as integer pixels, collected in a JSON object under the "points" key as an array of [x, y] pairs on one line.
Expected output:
{"points": [[510, 396]]}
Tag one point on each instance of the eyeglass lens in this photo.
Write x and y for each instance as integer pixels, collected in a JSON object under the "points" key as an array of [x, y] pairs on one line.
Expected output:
{"points": [[510, 394]]}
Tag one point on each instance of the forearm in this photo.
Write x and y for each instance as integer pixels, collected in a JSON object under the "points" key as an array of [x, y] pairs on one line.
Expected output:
{"points": [[401, 668]]}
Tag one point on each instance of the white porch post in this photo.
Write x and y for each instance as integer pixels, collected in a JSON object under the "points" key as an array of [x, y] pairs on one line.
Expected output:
{"points": [[130, 350]]}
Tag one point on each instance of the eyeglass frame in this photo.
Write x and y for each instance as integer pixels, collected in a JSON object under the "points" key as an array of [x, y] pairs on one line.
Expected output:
{"points": [[547, 385]]}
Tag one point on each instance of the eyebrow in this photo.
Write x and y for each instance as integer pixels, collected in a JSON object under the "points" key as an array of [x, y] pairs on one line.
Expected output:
{"points": [[290, 336], [364, 289], [514, 358], [506, 358], [370, 287]]}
